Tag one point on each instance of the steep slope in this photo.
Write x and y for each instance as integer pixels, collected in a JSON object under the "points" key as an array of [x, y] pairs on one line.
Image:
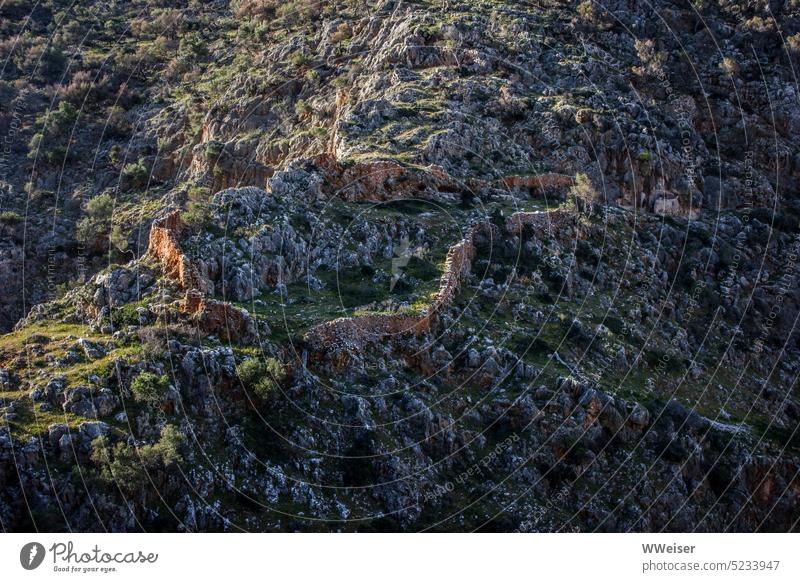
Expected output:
{"points": [[400, 266]]}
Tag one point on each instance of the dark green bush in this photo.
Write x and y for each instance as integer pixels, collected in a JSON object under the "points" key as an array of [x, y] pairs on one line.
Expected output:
{"points": [[261, 378], [131, 468], [148, 387], [97, 222], [135, 174], [126, 315], [10, 217]]}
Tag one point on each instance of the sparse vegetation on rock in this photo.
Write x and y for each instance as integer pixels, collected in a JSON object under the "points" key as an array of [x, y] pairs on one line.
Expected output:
{"points": [[399, 266]]}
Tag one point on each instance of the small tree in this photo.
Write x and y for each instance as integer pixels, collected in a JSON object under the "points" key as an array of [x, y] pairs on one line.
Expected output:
{"points": [[168, 448], [274, 371], [262, 378], [302, 108], [197, 213], [249, 372], [147, 387], [97, 222], [135, 174], [52, 135], [113, 154], [119, 238], [119, 464], [129, 467], [34, 144], [100, 207], [10, 217]]}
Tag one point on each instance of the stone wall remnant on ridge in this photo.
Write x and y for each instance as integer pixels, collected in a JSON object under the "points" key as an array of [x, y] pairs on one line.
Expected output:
{"points": [[211, 316]]}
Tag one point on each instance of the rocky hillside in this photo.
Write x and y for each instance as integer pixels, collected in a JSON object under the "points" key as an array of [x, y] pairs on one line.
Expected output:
{"points": [[399, 266]]}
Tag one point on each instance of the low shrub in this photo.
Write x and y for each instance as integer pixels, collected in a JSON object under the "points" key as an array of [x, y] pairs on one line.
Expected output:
{"points": [[148, 387], [262, 378], [132, 468], [135, 174], [10, 217]]}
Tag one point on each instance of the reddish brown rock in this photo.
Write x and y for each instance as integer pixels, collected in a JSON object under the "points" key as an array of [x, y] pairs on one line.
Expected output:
{"points": [[379, 181], [218, 317], [164, 247]]}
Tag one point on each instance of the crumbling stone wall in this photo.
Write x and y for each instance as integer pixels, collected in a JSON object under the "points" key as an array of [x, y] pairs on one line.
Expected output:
{"points": [[381, 181], [537, 185], [458, 265], [225, 320], [211, 316], [164, 247], [355, 333], [553, 223]]}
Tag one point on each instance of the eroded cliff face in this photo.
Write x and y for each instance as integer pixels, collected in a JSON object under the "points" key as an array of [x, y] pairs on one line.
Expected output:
{"points": [[507, 267]]}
